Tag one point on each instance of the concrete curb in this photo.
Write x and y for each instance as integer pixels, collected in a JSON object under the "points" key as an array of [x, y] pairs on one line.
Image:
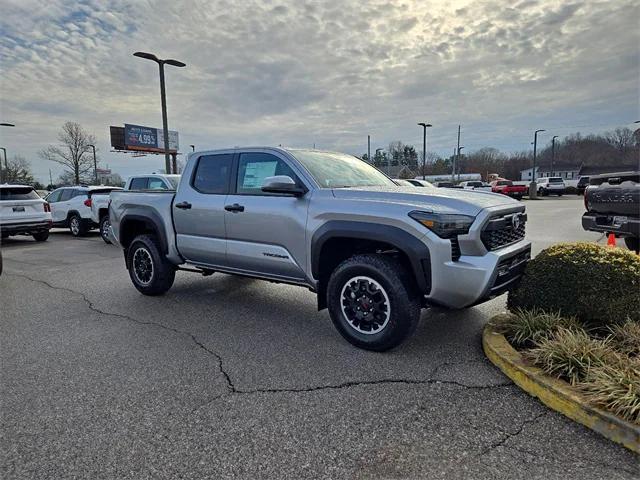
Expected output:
{"points": [[555, 393]]}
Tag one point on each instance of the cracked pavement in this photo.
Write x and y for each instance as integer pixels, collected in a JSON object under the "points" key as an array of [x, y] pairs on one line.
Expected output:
{"points": [[227, 377]]}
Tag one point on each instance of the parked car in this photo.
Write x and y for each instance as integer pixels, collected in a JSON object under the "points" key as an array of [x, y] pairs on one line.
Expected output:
{"points": [[375, 253], [583, 183], [612, 202], [23, 212], [551, 186], [100, 212], [71, 207], [475, 185], [152, 181], [444, 185], [402, 182], [420, 183], [507, 187]]}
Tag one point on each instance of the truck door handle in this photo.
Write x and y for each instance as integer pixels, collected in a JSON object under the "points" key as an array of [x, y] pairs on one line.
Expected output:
{"points": [[183, 205], [234, 208]]}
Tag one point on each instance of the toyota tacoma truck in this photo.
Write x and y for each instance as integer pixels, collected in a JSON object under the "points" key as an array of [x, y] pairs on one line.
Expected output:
{"points": [[612, 202], [374, 252]]}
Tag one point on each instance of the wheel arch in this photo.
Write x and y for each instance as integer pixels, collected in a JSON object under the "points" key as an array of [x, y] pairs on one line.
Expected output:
{"points": [[337, 240], [134, 224]]}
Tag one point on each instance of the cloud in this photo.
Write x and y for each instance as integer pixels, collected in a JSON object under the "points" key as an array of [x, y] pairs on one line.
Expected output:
{"points": [[303, 72]]}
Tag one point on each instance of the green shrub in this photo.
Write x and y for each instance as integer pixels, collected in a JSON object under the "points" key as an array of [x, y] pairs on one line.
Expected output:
{"points": [[615, 389], [526, 327], [569, 354], [625, 338], [595, 284]]}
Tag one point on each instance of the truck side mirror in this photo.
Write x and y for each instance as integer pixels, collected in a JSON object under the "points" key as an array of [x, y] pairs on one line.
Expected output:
{"points": [[282, 184]]}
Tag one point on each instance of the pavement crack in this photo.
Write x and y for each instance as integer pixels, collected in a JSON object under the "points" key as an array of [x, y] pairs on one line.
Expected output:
{"points": [[509, 435]]}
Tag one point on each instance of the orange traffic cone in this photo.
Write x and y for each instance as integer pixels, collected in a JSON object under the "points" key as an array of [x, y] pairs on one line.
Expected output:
{"points": [[611, 240]]}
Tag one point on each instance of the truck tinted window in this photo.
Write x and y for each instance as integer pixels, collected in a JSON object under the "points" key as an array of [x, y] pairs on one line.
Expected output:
{"points": [[139, 183], [156, 184], [212, 173], [18, 193], [253, 168]]}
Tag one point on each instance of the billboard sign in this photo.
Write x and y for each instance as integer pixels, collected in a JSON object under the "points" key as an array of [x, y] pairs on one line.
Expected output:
{"points": [[137, 137]]}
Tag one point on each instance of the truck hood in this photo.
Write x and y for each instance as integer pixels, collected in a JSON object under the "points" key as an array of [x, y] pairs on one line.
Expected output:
{"points": [[438, 200]]}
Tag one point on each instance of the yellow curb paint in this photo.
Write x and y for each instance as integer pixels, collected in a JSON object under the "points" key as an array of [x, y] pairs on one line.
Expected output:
{"points": [[555, 393]]}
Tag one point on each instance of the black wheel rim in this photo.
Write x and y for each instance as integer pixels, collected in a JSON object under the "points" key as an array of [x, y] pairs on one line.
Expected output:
{"points": [[143, 266], [365, 305]]}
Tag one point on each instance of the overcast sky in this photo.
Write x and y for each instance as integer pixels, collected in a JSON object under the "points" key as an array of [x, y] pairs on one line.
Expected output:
{"points": [[296, 72]]}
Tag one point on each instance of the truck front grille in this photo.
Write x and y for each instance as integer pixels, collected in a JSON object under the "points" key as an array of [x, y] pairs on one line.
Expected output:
{"points": [[455, 249], [503, 231]]}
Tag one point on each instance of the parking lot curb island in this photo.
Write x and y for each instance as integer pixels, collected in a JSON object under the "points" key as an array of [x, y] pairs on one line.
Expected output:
{"points": [[554, 393]]}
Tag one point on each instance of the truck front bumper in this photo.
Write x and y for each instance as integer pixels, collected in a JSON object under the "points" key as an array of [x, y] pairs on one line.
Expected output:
{"points": [[621, 225], [475, 279]]}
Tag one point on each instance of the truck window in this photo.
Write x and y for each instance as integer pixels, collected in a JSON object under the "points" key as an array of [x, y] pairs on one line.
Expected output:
{"points": [[156, 184], [253, 168], [212, 173], [139, 183]]}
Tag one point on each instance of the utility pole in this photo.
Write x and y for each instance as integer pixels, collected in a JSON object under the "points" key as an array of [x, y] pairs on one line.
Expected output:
{"points": [[50, 179], [458, 162], [453, 164], [457, 150], [369, 149], [553, 152], [4, 173], [533, 188]]}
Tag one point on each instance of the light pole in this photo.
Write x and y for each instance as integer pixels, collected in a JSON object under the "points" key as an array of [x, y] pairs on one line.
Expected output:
{"points": [[95, 163], [193, 148], [458, 161], [369, 149], [553, 152], [6, 165], [533, 189], [163, 99], [424, 146], [376, 155]]}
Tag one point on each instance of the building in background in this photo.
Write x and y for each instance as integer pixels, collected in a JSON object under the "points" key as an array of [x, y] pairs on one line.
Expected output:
{"points": [[567, 171]]}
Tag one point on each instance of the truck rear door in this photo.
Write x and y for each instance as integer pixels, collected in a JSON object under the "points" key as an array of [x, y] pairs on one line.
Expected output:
{"points": [[198, 210]]}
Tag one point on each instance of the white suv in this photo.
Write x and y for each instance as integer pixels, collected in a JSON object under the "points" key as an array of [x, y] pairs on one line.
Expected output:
{"points": [[551, 186], [71, 207], [23, 212]]}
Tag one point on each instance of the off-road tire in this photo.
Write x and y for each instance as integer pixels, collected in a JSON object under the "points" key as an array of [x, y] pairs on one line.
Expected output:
{"points": [[40, 236], [104, 223], [395, 281], [162, 272]]}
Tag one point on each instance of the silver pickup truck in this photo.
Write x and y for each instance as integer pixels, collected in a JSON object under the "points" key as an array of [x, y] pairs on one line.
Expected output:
{"points": [[374, 252]]}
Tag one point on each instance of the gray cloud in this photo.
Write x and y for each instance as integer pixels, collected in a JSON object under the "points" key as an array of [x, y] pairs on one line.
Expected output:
{"points": [[299, 72]]}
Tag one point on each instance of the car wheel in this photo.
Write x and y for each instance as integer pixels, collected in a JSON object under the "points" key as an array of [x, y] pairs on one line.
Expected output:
{"points": [[77, 226], [105, 224], [41, 236], [149, 270], [373, 302], [632, 243]]}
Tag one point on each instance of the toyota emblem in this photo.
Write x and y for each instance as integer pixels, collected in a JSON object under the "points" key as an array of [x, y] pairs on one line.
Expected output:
{"points": [[515, 221]]}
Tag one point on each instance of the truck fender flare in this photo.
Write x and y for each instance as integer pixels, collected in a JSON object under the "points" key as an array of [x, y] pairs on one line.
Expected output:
{"points": [[417, 251], [153, 221]]}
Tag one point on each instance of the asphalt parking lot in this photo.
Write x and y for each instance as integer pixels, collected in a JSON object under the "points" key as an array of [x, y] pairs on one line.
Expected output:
{"points": [[232, 377]]}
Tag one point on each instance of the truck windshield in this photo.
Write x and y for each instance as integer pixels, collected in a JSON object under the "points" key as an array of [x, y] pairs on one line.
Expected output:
{"points": [[337, 170]]}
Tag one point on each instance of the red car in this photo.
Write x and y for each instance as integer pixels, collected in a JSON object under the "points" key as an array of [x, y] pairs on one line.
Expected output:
{"points": [[506, 187]]}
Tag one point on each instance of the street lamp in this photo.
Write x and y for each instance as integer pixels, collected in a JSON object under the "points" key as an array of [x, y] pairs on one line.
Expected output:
{"points": [[553, 152], [163, 99], [95, 163], [457, 164], [533, 189], [424, 146], [6, 165]]}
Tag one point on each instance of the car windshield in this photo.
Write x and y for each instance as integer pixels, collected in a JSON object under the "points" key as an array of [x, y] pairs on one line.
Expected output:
{"points": [[555, 180], [337, 170], [18, 193], [505, 182]]}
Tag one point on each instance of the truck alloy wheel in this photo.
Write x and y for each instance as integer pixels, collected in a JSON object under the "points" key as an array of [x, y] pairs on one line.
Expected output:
{"points": [[365, 305], [142, 266]]}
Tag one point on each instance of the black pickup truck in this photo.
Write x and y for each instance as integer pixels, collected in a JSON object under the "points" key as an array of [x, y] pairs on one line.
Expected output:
{"points": [[613, 206]]}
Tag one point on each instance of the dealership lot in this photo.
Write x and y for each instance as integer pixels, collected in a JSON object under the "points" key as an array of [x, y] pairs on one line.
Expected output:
{"points": [[226, 376]]}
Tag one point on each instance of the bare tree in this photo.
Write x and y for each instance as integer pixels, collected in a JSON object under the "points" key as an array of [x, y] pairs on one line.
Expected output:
{"points": [[73, 154], [621, 138], [18, 171]]}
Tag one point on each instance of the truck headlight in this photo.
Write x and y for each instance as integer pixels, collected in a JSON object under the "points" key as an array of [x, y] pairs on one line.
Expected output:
{"points": [[444, 225]]}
